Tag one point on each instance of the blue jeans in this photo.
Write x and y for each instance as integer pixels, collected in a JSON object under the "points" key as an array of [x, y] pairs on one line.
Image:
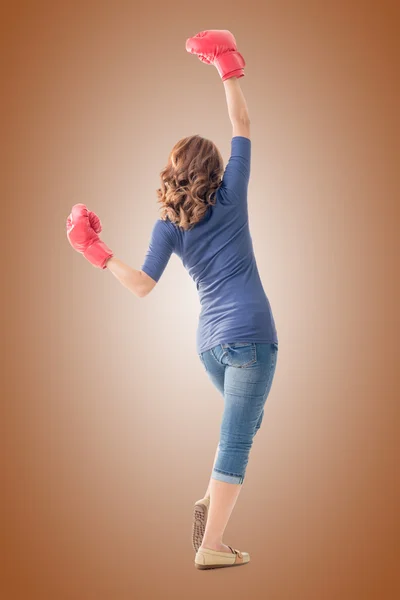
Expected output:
{"points": [[243, 373]]}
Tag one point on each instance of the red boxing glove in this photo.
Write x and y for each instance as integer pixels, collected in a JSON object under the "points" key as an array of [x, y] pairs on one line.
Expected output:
{"points": [[82, 229], [218, 47]]}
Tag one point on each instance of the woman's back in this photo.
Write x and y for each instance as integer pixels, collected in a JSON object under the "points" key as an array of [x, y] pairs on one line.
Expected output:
{"points": [[218, 255]]}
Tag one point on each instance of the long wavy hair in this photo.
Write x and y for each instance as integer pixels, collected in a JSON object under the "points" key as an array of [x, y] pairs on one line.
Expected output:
{"points": [[189, 181]]}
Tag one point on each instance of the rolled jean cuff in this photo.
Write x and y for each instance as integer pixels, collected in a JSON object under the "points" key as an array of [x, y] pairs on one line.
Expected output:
{"points": [[227, 477]]}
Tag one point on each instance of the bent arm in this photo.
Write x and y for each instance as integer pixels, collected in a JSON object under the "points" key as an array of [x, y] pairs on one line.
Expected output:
{"points": [[161, 246], [237, 107], [137, 282]]}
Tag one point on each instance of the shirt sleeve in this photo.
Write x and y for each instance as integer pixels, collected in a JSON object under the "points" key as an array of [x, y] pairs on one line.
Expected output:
{"points": [[237, 171], [161, 245]]}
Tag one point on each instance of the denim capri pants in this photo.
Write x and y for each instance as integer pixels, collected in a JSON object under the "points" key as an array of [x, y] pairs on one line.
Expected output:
{"points": [[243, 373]]}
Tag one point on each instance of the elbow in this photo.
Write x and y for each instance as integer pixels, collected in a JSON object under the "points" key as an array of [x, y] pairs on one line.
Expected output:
{"points": [[143, 291], [145, 286], [241, 126], [243, 119], [140, 292]]}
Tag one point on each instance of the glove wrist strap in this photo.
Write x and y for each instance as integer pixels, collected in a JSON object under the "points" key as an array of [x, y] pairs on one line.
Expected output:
{"points": [[229, 62], [98, 253]]}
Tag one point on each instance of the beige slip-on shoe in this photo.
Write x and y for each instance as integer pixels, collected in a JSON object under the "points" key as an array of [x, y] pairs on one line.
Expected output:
{"points": [[212, 559], [200, 514]]}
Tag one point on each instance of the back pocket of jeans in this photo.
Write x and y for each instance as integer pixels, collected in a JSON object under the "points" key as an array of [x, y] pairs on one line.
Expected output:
{"points": [[239, 354]]}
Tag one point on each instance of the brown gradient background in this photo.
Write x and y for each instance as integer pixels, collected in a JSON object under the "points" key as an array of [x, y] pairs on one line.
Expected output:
{"points": [[109, 421]]}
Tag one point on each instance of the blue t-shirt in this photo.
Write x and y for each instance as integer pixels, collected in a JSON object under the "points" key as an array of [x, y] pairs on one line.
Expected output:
{"points": [[218, 254]]}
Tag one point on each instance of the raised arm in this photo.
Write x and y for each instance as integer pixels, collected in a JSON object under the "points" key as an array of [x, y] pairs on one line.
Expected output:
{"points": [[218, 47], [237, 171], [237, 107]]}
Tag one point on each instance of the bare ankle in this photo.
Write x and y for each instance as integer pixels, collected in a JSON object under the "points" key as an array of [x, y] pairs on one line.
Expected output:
{"points": [[213, 544], [217, 546]]}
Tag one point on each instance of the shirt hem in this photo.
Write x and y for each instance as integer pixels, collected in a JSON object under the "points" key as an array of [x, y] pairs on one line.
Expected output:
{"points": [[230, 341]]}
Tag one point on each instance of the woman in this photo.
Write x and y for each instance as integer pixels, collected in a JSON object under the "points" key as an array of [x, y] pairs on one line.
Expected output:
{"points": [[204, 220]]}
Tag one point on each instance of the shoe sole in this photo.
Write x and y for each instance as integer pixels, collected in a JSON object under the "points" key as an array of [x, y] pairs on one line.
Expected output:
{"points": [[202, 567], [199, 525]]}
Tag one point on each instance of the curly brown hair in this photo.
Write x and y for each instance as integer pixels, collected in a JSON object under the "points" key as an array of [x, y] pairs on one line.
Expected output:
{"points": [[189, 181]]}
